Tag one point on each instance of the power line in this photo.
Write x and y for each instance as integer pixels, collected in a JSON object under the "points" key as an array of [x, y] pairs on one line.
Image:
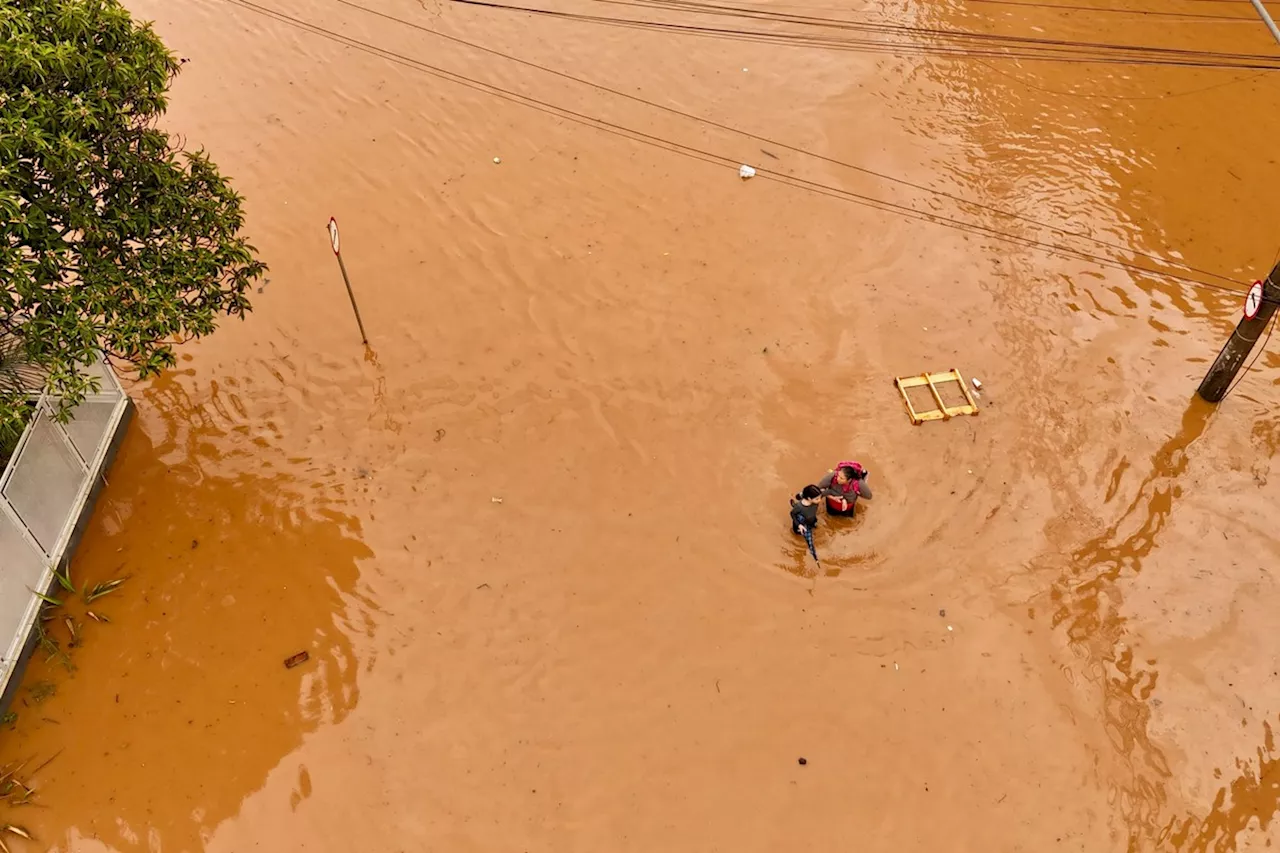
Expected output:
{"points": [[943, 42], [717, 159], [782, 145], [868, 9], [759, 13], [1199, 16], [1117, 97], [1030, 4]]}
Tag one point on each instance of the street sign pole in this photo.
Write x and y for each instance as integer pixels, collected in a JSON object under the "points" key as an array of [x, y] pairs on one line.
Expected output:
{"points": [[337, 253], [1259, 307]]}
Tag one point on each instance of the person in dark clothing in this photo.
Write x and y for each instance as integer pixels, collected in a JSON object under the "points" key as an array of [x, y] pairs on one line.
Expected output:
{"points": [[843, 486], [804, 510]]}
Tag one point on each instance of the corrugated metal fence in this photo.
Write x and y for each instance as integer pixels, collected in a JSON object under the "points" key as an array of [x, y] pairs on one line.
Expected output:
{"points": [[42, 492]]}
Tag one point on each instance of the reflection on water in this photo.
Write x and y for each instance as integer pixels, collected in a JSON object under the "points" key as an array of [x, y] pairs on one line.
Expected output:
{"points": [[1139, 158], [1251, 799], [1136, 158], [1087, 600], [625, 346], [234, 564]]}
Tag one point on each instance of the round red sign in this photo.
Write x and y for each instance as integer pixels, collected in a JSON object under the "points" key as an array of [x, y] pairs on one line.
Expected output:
{"points": [[333, 234], [1252, 300]]}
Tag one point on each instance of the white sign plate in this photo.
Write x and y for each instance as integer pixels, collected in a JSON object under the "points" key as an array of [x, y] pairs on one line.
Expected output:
{"points": [[1252, 301], [333, 236]]}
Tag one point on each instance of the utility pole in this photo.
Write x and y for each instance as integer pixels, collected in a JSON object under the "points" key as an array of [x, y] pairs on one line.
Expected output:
{"points": [[1266, 19], [1260, 305]]}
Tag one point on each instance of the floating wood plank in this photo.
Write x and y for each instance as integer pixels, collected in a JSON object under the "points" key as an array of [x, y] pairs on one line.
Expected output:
{"points": [[942, 412]]}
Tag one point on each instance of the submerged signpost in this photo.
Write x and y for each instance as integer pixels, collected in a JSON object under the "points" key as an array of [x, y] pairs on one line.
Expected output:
{"points": [[1259, 307], [333, 241]]}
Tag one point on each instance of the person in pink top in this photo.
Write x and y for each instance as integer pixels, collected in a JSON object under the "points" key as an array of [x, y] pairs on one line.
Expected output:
{"points": [[843, 486]]}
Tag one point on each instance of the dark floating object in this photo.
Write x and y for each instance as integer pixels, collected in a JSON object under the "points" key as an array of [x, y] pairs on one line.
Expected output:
{"points": [[804, 761], [299, 658]]}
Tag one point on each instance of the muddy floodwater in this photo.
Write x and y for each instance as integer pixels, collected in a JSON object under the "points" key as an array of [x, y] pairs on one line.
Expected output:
{"points": [[534, 539]]}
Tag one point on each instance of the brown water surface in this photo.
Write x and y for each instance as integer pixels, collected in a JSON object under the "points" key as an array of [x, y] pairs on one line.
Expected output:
{"points": [[534, 539]]}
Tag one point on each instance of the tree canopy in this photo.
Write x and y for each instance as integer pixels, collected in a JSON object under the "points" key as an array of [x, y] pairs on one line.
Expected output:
{"points": [[115, 240]]}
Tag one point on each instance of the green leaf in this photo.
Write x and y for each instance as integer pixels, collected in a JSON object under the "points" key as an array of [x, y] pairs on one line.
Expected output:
{"points": [[47, 599], [64, 579], [118, 241]]}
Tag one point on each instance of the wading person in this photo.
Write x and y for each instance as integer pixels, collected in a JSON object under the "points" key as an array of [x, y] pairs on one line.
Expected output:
{"points": [[804, 516], [843, 486], [804, 510]]}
